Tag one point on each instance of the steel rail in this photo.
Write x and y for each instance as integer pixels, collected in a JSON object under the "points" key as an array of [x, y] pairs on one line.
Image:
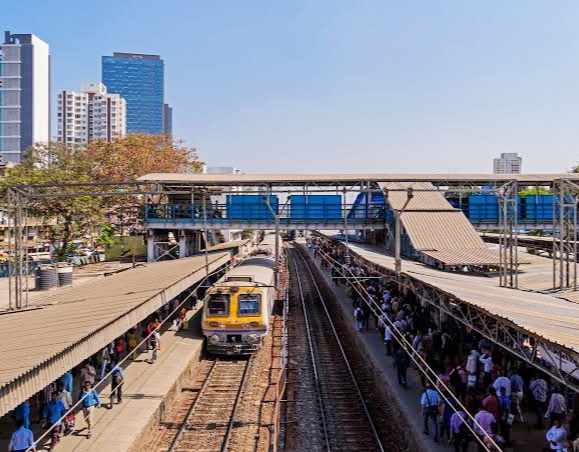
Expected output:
{"points": [[227, 438], [343, 352], [179, 434], [312, 354]]}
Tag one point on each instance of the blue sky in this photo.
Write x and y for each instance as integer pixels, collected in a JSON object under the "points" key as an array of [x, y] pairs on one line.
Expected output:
{"points": [[341, 85]]}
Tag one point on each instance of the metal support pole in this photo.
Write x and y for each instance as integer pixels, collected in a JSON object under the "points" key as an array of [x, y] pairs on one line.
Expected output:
{"points": [[206, 234], [397, 244], [276, 222]]}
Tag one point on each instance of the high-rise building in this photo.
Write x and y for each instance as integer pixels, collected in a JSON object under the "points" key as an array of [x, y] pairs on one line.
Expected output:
{"points": [[139, 79], [91, 114], [507, 163], [168, 119], [24, 94]]}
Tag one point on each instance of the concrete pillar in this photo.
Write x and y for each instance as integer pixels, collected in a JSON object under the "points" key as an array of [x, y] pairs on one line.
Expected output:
{"points": [[150, 246], [182, 244]]}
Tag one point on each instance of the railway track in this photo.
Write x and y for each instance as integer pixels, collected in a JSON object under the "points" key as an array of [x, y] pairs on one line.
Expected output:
{"points": [[204, 419], [344, 419]]}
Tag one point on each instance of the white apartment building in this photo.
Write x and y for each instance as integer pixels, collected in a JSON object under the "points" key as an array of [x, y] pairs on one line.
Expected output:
{"points": [[91, 114], [507, 163], [24, 94]]}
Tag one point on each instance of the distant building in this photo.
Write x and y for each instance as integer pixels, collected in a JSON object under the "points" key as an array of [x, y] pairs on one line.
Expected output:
{"points": [[24, 94], [91, 114], [220, 170], [507, 163], [139, 79], [168, 119]]}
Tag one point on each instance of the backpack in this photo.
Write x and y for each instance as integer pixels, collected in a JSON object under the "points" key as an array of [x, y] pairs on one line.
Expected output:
{"points": [[358, 314]]}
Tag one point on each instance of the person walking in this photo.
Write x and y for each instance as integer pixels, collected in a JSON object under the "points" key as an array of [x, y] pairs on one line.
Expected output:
{"points": [[90, 401], [45, 398], [118, 378], [22, 439], [517, 387], [429, 403], [22, 413], [66, 380], [359, 317], [401, 362], [538, 389], [459, 432], [66, 399], [87, 373], [155, 346], [132, 343], [557, 408], [52, 414], [557, 436], [482, 426], [119, 348], [105, 360]]}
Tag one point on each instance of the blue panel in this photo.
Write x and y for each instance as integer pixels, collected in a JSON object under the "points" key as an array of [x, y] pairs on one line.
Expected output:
{"points": [[140, 81], [250, 208], [483, 209], [316, 208], [537, 209]]}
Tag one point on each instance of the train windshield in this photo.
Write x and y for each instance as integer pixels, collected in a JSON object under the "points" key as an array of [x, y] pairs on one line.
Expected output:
{"points": [[218, 304], [249, 304]]}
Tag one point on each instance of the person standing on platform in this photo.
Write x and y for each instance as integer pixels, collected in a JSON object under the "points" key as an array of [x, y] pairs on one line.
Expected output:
{"points": [[429, 403], [53, 413], [118, 378], [132, 342], [459, 433], [484, 419], [119, 348], [66, 399], [401, 362], [87, 373], [90, 401], [105, 360], [538, 389], [22, 439]]}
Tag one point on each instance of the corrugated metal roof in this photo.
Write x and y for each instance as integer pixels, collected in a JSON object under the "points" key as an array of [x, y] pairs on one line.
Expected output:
{"points": [[377, 177], [419, 201], [440, 230], [466, 256], [552, 318], [227, 245], [38, 346]]}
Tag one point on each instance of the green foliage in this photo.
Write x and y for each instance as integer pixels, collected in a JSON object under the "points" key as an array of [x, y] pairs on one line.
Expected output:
{"points": [[65, 218], [106, 236], [534, 191]]}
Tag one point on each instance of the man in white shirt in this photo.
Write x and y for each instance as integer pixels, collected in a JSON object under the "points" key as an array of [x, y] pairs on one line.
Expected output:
{"points": [[557, 436], [503, 382], [557, 407], [539, 388]]}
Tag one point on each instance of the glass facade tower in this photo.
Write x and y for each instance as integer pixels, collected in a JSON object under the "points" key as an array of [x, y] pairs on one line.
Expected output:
{"points": [[139, 79]]}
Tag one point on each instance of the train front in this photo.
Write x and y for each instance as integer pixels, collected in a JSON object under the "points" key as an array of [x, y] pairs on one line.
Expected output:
{"points": [[233, 319]]}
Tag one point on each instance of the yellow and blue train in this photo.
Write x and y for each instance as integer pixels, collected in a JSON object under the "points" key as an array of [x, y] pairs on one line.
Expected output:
{"points": [[238, 307]]}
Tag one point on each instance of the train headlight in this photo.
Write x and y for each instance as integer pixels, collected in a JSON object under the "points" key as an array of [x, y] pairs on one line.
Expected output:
{"points": [[252, 339], [214, 324], [214, 340]]}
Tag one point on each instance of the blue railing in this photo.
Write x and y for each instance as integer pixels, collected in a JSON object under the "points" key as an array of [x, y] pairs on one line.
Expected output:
{"points": [[292, 214]]}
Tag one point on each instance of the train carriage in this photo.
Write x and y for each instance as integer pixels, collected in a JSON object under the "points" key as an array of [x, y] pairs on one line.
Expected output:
{"points": [[238, 307]]}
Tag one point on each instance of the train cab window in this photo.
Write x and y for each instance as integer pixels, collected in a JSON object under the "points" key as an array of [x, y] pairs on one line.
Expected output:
{"points": [[218, 304], [249, 304]]}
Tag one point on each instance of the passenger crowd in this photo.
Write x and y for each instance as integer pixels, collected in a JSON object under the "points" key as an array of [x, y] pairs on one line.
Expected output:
{"points": [[49, 406], [489, 384]]}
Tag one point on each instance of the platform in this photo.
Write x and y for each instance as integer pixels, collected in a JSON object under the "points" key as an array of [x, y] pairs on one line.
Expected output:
{"points": [[148, 388], [523, 436], [42, 344]]}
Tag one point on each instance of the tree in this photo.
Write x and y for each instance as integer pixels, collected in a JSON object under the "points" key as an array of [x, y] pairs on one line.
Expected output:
{"points": [[131, 157], [65, 217], [135, 155]]}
